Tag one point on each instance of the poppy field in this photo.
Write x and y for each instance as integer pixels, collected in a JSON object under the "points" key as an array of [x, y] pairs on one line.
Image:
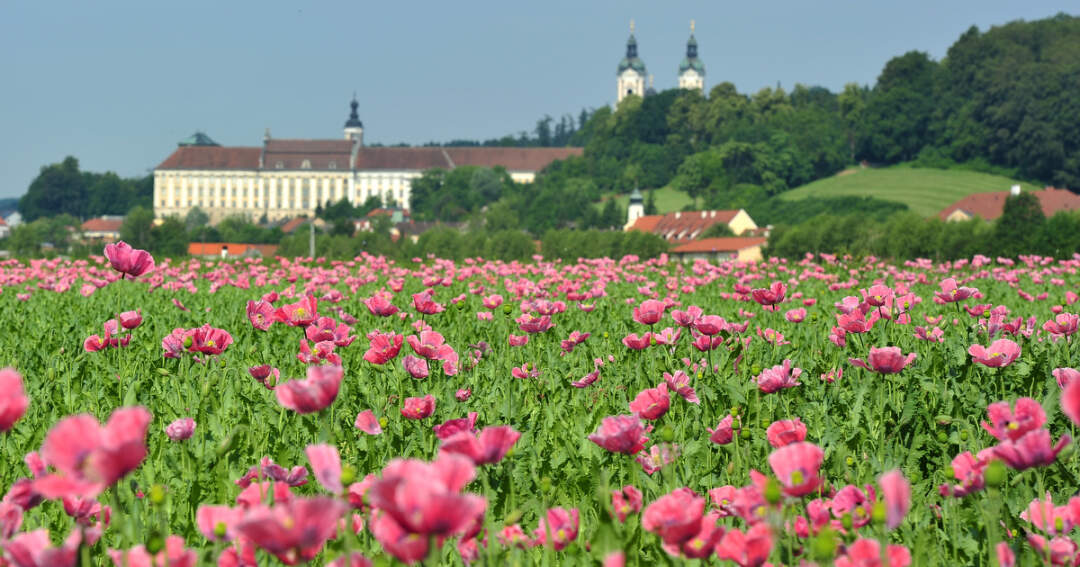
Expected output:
{"points": [[827, 411]]}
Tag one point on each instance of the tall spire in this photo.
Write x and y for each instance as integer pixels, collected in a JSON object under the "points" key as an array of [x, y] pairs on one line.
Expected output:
{"points": [[692, 70]]}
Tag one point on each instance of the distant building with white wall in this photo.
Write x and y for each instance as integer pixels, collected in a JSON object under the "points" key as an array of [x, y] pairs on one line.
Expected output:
{"points": [[692, 70], [289, 178], [630, 74]]}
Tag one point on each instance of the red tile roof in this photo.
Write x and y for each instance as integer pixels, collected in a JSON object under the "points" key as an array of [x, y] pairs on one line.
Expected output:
{"points": [[319, 154], [293, 224], [646, 223], [683, 226], [401, 158], [726, 244], [513, 159], [234, 249], [210, 157], [102, 225], [989, 206]]}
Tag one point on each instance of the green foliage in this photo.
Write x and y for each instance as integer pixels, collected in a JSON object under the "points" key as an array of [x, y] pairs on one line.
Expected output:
{"points": [[783, 211], [1018, 228], [60, 188], [137, 226], [570, 245], [451, 196]]}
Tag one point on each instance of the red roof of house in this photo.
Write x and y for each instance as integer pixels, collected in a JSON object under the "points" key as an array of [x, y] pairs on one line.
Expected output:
{"points": [[646, 223], [233, 248], [726, 244], [513, 159], [293, 224], [684, 225], [989, 206], [102, 225], [212, 157]]}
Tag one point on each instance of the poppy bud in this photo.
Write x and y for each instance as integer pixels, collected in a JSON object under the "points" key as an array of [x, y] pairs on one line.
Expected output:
{"points": [[850, 461], [950, 472], [605, 334], [163, 371], [220, 529], [157, 494], [507, 309], [461, 305], [382, 422], [755, 369], [765, 424], [545, 484], [824, 545], [877, 513], [735, 411], [745, 434], [187, 341], [736, 424], [942, 437], [513, 517], [964, 435], [773, 493], [994, 474], [155, 543], [667, 434], [348, 474]]}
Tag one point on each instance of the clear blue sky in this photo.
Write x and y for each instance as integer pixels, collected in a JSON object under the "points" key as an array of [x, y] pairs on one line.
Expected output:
{"points": [[117, 84]]}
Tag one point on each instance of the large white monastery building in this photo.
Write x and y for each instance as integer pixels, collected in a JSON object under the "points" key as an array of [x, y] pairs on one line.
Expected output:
{"points": [[289, 178], [631, 74]]}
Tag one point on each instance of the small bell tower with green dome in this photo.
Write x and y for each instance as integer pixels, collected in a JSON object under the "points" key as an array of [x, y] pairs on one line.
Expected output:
{"points": [[630, 75], [692, 70]]}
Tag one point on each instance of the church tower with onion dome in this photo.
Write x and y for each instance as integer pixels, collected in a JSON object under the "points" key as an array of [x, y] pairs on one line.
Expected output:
{"points": [[630, 75], [692, 70]]}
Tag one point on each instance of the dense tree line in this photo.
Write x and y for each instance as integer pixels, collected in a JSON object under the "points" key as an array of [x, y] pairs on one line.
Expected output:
{"points": [[61, 188], [1021, 229]]}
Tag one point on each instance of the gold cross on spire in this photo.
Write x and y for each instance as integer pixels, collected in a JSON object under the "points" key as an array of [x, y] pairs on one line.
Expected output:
{"points": [[631, 26], [691, 27]]}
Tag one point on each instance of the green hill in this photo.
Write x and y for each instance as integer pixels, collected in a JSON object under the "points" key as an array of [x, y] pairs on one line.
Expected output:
{"points": [[926, 191]]}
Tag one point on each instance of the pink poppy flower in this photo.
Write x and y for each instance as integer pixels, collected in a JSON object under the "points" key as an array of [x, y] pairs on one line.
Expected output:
{"points": [[379, 304], [857, 322], [1065, 375], [632, 341], [674, 517], [701, 544], [1005, 555], [710, 324], [415, 366], [210, 518], [181, 430], [266, 375], [463, 394], [688, 317], [404, 546], [450, 427], [314, 393], [1050, 519], [1058, 551], [13, 400], [867, 553], [326, 464], [797, 466], [1062, 325], [295, 530], [430, 344], [667, 336], [885, 360], [1012, 425], [368, 423], [209, 340], [620, 434], [680, 384], [127, 260], [796, 315], [561, 523], [896, 492], [705, 343], [423, 303], [936, 335], [649, 312], [299, 314], [1001, 352], [131, 319], [419, 408], [353, 560], [517, 340], [771, 296], [724, 432], [1032, 450], [786, 432], [625, 502], [651, 403], [489, 447], [878, 295], [657, 457], [425, 498], [950, 293], [853, 502], [492, 301], [383, 347], [778, 377], [174, 555], [587, 380], [87, 457], [968, 470], [261, 314], [531, 324], [751, 549]]}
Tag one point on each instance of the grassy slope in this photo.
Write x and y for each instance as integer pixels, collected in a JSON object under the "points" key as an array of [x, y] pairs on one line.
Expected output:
{"points": [[926, 191]]}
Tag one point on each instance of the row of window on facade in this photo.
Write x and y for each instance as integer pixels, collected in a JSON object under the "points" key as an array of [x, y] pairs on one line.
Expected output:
{"points": [[203, 200], [306, 164]]}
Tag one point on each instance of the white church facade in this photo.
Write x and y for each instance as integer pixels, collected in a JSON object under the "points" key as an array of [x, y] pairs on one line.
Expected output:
{"points": [[286, 178], [630, 75]]}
